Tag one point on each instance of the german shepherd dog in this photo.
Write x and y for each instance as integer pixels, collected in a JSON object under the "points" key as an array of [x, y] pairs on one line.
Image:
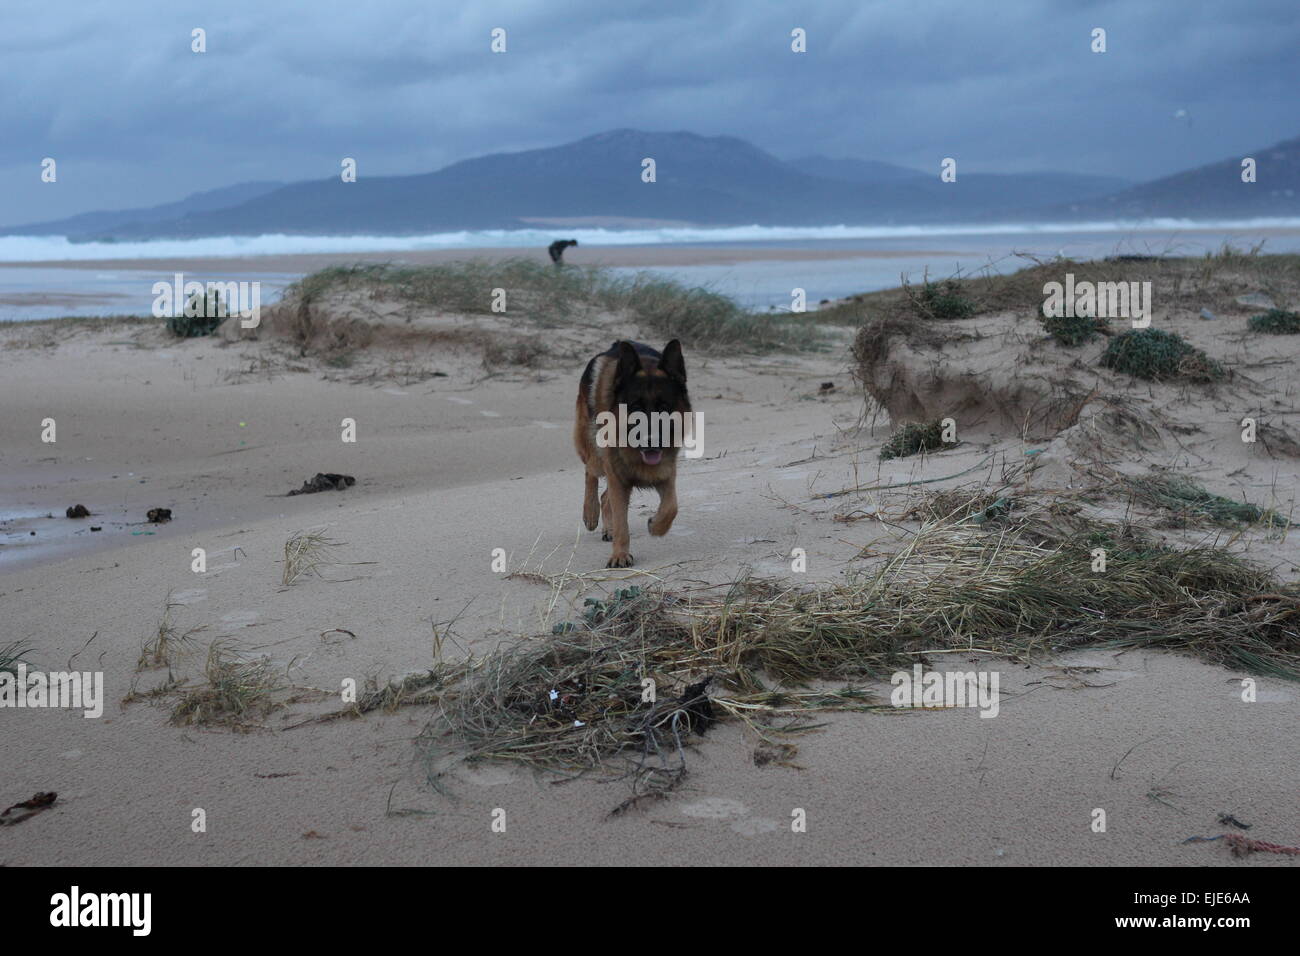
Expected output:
{"points": [[640, 379]]}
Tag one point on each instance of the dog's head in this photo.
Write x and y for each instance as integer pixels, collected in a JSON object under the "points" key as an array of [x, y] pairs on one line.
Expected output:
{"points": [[654, 388]]}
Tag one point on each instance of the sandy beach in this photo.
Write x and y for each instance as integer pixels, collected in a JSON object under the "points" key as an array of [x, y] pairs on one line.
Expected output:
{"points": [[631, 256], [456, 457]]}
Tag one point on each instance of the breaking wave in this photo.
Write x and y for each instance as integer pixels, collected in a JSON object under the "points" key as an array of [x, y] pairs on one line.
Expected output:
{"points": [[58, 248]]}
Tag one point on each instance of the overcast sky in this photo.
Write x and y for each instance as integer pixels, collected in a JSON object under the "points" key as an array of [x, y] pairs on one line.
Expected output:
{"points": [[112, 91]]}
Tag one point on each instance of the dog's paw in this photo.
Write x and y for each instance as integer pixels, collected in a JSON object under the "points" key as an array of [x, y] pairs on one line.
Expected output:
{"points": [[623, 560], [606, 536], [659, 524]]}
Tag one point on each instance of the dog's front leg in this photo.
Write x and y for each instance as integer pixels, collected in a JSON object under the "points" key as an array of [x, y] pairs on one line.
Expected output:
{"points": [[591, 500], [618, 494], [663, 518]]}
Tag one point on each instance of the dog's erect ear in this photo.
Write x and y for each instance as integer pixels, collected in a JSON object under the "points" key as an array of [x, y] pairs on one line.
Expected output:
{"points": [[629, 363], [672, 361]]}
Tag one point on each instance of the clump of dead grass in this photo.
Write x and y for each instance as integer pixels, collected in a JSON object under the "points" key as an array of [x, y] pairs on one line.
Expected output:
{"points": [[305, 553], [238, 692], [165, 641], [413, 690], [573, 702], [956, 504], [621, 691]]}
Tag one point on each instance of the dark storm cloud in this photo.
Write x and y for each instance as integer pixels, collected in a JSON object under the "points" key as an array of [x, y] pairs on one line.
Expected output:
{"points": [[286, 90]]}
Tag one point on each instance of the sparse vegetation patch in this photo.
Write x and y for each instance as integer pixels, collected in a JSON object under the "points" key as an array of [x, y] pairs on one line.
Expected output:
{"points": [[1073, 330], [1276, 322], [549, 297], [1156, 354], [913, 438]]}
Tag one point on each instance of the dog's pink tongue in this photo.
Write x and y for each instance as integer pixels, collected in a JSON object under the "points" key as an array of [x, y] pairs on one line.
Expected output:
{"points": [[651, 457]]}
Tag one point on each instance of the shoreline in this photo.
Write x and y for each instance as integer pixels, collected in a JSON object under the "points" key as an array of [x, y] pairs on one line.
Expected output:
{"points": [[608, 256]]}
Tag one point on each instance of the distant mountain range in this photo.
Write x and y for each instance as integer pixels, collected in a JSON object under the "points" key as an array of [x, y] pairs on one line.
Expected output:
{"points": [[700, 180], [99, 224], [1208, 192]]}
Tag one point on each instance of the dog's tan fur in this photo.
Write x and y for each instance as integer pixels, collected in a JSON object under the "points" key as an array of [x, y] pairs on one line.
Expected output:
{"points": [[611, 378]]}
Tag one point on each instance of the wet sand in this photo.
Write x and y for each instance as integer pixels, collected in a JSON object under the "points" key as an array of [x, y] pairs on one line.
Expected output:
{"points": [[618, 256]]}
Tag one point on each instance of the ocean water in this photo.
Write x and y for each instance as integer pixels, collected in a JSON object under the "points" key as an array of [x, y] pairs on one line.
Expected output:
{"points": [[35, 292], [934, 250], [768, 285]]}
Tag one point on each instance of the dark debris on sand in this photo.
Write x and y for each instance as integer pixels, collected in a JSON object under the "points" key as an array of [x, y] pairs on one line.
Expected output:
{"points": [[324, 482], [28, 808], [696, 707]]}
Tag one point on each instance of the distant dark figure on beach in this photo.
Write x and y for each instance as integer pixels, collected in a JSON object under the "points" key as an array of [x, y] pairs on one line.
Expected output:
{"points": [[557, 249]]}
